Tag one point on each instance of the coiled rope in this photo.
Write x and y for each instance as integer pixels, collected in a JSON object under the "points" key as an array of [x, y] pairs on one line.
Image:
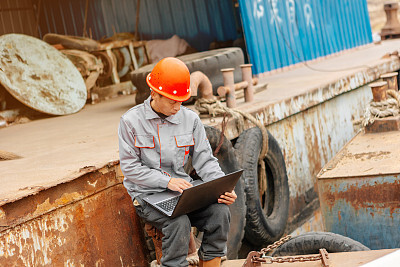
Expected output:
{"points": [[383, 109], [214, 108]]}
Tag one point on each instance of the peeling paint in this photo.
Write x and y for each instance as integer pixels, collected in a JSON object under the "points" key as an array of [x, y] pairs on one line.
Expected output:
{"points": [[365, 209], [314, 136], [359, 190], [64, 199], [74, 234], [92, 184], [36, 236], [99, 262]]}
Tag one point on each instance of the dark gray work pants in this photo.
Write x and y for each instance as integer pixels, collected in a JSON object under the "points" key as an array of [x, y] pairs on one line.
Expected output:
{"points": [[213, 221]]}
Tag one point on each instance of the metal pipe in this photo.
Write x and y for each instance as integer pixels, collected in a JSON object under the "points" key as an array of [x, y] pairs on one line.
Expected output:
{"points": [[230, 83], [247, 76], [201, 85], [222, 90], [391, 79], [379, 91]]}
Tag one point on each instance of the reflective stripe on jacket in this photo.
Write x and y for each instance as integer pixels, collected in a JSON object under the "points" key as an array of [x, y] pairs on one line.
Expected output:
{"points": [[152, 150]]}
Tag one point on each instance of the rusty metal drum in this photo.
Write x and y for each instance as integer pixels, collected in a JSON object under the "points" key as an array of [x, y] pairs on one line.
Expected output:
{"points": [[40, 76], [359, 190]]}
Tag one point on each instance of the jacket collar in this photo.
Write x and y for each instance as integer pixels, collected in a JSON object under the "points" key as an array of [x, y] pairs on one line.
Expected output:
{"points": [[150, 114]]}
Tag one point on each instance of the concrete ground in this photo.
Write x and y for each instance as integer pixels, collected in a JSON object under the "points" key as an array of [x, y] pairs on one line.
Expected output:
{"points": [[58, 149]]}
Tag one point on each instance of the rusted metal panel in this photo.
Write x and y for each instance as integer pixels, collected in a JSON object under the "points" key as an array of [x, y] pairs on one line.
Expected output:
{"points": [[87, 222], [365, 209], [360, 190], [310, 138], [17, 212], [40, 76]]}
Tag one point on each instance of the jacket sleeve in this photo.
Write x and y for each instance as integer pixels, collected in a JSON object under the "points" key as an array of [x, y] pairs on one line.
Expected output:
{"points": [[131, 165], [203, 160]]}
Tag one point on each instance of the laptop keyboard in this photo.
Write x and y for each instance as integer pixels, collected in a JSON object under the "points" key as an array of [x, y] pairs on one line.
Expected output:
{"points": [[168, 204]]}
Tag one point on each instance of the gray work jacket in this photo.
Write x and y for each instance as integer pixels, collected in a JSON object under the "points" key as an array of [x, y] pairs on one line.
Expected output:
{"points": [[154, 150]]}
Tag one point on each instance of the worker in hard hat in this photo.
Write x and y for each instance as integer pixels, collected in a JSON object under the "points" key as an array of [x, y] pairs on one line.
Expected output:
{"points": [[156, 139]]}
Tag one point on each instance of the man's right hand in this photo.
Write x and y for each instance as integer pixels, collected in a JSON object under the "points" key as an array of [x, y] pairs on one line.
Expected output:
{"points": [[178, 184]]}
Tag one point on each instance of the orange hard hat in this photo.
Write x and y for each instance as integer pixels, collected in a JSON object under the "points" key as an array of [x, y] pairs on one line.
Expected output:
{"points": [[171, 78]]}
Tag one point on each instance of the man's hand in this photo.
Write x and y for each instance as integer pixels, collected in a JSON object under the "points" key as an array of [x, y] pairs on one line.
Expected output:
{"points": [[228, 198], [178, 184]]}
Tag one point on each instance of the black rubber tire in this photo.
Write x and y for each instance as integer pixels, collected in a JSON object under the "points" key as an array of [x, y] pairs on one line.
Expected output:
{"points": [[209, 62], [228, 163], [72, 42], [310, 243], [266, 218]]}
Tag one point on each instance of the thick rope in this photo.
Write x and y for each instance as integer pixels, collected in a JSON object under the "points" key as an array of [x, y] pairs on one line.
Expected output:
{"points": [[214, 107], [222, 136], [383, 109]]}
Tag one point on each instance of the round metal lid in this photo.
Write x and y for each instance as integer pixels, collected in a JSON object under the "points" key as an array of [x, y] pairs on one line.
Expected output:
{"points": [[40, 76]]}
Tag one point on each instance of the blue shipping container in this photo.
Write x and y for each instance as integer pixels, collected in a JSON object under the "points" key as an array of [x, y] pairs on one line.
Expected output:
{"points": [[279, 33]]}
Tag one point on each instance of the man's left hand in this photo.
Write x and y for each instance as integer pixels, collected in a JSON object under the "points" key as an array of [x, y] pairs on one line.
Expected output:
{"points": [[228, 198]]}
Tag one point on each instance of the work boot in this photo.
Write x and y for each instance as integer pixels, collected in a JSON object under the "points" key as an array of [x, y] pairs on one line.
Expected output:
{"points": [[216, 262]]}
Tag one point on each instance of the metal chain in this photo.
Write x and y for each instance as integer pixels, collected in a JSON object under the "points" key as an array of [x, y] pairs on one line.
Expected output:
{"points": [[275, 244], [323, 256], [270, 260]]}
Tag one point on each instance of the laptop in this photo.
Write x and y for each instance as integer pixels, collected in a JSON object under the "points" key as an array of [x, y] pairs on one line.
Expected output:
{"points": [[201, 194]]}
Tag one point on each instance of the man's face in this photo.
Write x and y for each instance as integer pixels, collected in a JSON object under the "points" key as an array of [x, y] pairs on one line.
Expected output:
{"points": [[164, 105]]}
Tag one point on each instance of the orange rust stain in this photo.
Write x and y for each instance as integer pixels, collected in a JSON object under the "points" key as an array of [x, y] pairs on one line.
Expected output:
{"points": [[378, 196], [313, 147], [339, 215], [60, 195]]}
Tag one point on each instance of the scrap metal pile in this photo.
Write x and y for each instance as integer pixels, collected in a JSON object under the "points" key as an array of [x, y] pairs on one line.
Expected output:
{"points": [[38, 76], [59, 75]]}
